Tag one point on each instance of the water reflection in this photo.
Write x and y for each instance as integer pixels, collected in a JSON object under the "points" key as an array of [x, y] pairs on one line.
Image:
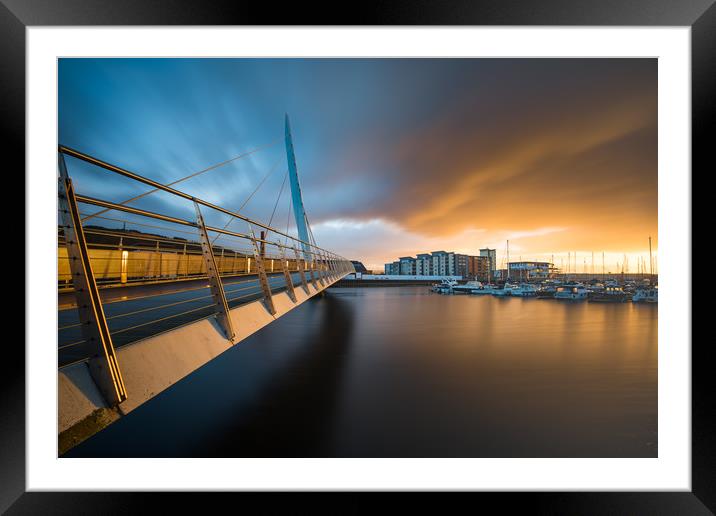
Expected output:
{"points": [[402, 372]]}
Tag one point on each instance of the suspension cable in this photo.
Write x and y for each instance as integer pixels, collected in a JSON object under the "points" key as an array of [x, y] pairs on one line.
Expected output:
{"points": [[231, 218], [288, 219], [280, 193], [212, 167], [311, 240]]}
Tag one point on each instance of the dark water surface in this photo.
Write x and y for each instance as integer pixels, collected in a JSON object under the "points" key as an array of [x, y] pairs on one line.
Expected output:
{"points": [[401, 372]]}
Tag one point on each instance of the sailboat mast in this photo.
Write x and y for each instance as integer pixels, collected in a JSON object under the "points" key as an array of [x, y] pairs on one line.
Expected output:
{"points": [[508, 260], [575, 270], [651, 263]]}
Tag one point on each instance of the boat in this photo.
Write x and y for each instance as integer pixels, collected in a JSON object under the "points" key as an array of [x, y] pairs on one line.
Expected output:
{"points": [[609, 294], [444, 287], [467, 288], [571, 292], [546, 292], [506, 290], [525, 290], [486, 289], [646, 295]]}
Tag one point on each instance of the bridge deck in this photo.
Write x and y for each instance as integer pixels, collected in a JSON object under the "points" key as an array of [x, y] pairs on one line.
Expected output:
{"points": [[137, 312]]}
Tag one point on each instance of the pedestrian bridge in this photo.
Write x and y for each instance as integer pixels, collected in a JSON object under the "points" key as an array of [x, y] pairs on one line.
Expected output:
{"points": [[147, 296]]}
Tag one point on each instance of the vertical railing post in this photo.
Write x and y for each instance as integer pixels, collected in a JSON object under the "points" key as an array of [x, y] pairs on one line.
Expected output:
{"points": [[261, 272], [159, 261], [319, 268], [326, 267], [329, 266], [329, 271], [217, 288], [123, 258], [301, 272], [103, 367], [286, 275], [312, 272]]}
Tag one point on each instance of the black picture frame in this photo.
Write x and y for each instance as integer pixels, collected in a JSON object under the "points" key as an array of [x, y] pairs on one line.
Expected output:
{"points": [[700, 15]]}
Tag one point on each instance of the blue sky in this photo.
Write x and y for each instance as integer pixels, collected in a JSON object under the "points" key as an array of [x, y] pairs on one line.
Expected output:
{"points": [[395, 157]]}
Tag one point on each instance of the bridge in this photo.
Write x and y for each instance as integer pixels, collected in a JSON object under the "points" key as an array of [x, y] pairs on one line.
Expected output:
{"points": [[145, 297]]}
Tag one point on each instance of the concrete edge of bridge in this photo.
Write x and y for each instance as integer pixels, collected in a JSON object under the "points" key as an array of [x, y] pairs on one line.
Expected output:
{"points": [[151, 365]]}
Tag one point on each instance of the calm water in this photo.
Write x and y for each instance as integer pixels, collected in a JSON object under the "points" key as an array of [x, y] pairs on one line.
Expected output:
{"points": [[399, 372]]}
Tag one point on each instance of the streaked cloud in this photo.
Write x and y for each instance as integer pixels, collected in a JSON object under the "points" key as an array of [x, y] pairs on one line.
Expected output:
{"points": [[395, 156]]}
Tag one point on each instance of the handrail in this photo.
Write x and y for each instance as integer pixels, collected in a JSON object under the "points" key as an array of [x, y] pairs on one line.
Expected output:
{"points": [[154, 184], [175, 220]]}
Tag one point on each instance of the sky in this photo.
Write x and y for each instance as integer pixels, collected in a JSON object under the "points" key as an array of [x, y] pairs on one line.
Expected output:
{"points": [[395, 156]]}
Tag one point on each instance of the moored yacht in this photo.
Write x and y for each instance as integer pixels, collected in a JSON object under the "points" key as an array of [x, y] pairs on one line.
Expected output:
{"points": [[506, 290], [468, 287], [646, 295], [525, 290], [444, 287], [486, 289], [546, 292], [571, 292], [609, 294]]}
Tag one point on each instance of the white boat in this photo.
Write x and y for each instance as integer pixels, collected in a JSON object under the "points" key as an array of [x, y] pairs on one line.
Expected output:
{"points": [[486, 289], [573, 292], [445, 286], [608, 294], [646, 295], [546, 292], [504, 291], [525, 290], [468, 287]]}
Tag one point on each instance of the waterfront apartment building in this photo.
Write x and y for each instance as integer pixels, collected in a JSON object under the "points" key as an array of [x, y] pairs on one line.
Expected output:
{"points": [[441, 263], [407, 265], [424, 265], [392, 269], [462, 265], [491, 255], [478, 268], [482, 268]]}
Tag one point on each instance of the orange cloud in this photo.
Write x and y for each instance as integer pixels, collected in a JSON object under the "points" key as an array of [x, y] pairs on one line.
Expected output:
{"points": [[581, 159]]}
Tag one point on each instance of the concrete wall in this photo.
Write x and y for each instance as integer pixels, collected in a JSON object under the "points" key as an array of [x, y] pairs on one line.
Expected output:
{"points": [[153, 364]]}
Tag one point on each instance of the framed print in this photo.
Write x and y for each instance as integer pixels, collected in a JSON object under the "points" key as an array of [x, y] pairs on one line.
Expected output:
{"points": [[419, 253]]}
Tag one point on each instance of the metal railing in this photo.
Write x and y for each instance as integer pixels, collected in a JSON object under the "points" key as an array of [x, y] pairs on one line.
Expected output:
{"points": [[161, 248]]}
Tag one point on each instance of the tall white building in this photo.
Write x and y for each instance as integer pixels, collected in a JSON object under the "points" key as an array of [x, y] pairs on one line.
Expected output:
{"points": [[407, 265], [424, 264], [492, 257], [440, 263]]}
